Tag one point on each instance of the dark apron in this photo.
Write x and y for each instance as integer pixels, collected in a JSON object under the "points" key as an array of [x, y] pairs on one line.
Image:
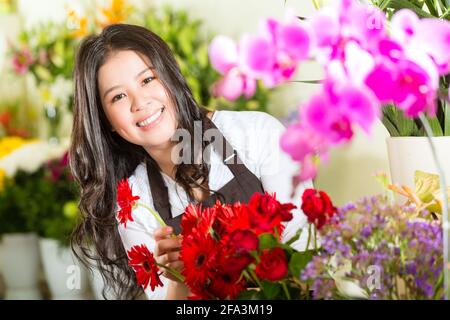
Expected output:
{"points": [[240, 188]]}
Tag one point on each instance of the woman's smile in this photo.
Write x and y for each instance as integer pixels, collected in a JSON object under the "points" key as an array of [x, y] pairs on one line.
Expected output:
{"points": [[152, 120]]}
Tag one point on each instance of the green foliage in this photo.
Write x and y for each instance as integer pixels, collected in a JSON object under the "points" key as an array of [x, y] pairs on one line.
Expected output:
{"points": [[393, 119], [34, 202], [53, 49]]}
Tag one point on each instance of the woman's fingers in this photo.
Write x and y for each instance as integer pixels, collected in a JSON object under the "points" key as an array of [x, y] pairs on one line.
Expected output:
{"points": [[163, 233], [167, 245], [177, 265], [169, 257]]}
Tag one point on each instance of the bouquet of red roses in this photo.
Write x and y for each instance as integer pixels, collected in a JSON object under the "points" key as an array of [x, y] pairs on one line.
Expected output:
{"points": [[235, 251]]}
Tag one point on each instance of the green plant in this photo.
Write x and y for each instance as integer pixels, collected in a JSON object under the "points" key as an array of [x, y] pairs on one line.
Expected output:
{"points": [[393, 118], [41, 202]]}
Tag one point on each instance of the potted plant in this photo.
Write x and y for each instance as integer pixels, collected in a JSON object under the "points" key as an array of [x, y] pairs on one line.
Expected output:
{"points": [[56, 208], [408, 146], [20, 260]]}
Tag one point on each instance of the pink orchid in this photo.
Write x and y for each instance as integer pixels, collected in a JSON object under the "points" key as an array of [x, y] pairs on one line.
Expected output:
{"points": [[233, 85], [299, 141], [333, 27], [406, 84], [273, 55], [223, 53], [414, 35]]}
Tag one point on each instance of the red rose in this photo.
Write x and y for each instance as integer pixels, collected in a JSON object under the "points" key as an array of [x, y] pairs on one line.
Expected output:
{"points": [[125, 201], [244, 241], [266, 213], [273, 265], [317, 206], [144, 265]]}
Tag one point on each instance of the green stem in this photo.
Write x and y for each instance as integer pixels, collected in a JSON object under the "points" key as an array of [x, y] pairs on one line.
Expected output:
{"points": [[255, 277], [445, 14], [154, 213], [316, 4], [173, 272], [315, 238], [445, 205], [286, 291], [309, 238]]}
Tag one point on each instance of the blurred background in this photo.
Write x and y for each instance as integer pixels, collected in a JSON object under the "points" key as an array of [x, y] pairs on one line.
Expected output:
{"points": [[38, 198]]}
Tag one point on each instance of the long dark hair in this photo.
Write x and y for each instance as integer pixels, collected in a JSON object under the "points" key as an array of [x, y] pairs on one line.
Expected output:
{"points": [[99, 157]]}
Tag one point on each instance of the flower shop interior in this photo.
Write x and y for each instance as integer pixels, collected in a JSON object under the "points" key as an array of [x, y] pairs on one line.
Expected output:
{"points": [[364, 101]]}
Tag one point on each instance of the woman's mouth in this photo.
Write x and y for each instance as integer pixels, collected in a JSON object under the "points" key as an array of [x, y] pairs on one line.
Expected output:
{"points": [[152, 120]]}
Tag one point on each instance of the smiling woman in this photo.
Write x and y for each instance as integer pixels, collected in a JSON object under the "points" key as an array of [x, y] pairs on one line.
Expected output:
{"points": [[135, 101], [130, 105]]}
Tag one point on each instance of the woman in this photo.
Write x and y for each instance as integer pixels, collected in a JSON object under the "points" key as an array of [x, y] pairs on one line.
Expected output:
{"points": [[131, 104]]}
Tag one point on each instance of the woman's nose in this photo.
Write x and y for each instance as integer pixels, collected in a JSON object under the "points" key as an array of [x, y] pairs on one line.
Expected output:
{"points": [[140, 103]]}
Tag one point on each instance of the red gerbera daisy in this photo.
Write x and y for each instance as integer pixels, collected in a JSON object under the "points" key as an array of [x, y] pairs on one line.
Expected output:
{"points": [[199, 254], [190, 218], [226, 285], [125, 201], [144, 264]]}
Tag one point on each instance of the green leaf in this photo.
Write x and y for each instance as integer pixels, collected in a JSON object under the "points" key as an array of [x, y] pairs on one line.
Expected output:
{"points": [[307, 81], [446, 118], [435, 126], [393, 131], [404, 4], [298, 262], [267, 241], [397, 123], [271, 289], [425, 184], [295, 237]]}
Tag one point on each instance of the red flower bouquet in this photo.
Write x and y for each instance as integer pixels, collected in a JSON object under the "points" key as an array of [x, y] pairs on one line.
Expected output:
{"points": [[234, 251]]}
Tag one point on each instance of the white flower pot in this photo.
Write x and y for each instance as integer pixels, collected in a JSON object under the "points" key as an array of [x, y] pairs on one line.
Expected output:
{"points": [[20, 266], [408, 154], [67, 279]]}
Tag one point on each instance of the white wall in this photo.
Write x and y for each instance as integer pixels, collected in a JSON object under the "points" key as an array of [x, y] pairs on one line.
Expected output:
{"points": [[348, 175]]}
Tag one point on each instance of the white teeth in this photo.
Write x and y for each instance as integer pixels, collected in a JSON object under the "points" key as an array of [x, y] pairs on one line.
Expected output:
{"points": [[149, 120]]}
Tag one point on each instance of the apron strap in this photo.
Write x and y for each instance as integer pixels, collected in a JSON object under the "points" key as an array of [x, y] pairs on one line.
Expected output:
{"points": [[159, 189]]}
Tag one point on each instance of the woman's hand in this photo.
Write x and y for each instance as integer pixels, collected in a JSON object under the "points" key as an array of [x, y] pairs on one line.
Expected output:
{"points": [[167, 251]]}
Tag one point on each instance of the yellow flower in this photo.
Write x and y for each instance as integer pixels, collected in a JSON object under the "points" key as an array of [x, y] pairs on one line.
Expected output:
{"points": [[78, 24], [9, 144], [117, 12], [2, 178]]}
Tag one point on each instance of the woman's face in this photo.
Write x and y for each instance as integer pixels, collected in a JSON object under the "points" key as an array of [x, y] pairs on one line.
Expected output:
{"points": [[135, 101]]}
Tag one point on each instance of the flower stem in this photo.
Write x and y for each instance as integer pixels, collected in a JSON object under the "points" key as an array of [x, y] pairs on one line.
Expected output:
{"points": [[309, 237], [315, 238], [286, 291], [316, 4], [154, 213], [445, 221], [252, 273], [173, 272]]}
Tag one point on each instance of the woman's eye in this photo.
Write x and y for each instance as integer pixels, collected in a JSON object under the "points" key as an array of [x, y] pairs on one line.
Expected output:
{"points": [[118, 97], [147, 80]]}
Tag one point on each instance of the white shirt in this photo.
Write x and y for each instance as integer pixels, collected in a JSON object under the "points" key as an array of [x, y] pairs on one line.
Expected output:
{"points": [[255, 136]]}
